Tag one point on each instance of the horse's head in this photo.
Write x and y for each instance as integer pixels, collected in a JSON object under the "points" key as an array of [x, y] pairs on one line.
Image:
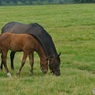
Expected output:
{"points": [[54, 65], [44, 65]]}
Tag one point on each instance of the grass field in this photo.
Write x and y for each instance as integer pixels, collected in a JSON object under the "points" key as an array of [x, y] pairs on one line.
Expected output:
{"points": [[72, 28]]}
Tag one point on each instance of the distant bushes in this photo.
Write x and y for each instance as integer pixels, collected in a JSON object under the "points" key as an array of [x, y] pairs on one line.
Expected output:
{"points": [[84, 1], [32, 2], [41, 2]]}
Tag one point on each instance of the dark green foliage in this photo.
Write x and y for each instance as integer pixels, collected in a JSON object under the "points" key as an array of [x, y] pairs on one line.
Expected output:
{"points": [[41, 2], [84, 1], [33, 2]]}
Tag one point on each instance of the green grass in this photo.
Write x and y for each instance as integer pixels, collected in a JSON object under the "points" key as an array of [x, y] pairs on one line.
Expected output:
{"points": [[72, 28]]}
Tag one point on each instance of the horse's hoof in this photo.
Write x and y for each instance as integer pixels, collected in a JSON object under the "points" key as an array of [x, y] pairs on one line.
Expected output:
{"points": [[31, 74], [9, 75], [1, 68], [18, 73], [12, 68]]}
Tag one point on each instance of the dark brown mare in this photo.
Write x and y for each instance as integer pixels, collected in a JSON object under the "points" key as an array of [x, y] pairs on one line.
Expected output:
{"points": [[44, 38], [25, 43]]}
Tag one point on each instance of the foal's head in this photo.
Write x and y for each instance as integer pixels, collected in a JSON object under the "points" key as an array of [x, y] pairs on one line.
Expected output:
{"points": [[54, 65]]}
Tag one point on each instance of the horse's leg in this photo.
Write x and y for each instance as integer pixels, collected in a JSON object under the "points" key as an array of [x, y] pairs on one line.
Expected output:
{"points": [[23, 62], [12, 54], [31, 61], [1, 66], [4, 57]]}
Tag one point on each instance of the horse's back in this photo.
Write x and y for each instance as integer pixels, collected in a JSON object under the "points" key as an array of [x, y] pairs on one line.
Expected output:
{"points": [[8, 26], [18, 42], [14, 27]]}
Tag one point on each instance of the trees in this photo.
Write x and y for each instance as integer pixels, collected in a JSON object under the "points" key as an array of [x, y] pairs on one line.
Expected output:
{"points": [[39, 2], [84, 1], [31, 2]]}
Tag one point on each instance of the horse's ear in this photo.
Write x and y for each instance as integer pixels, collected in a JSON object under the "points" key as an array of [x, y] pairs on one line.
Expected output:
{"points": [[59, 54]]}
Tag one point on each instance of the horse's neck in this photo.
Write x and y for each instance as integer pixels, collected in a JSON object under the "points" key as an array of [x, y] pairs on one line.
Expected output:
{"points": [[51, 50], [40, 52], [50, 47]]}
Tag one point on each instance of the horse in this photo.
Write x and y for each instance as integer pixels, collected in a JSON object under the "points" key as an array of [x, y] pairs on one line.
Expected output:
{"points": [[44, 38], [22, 42]]}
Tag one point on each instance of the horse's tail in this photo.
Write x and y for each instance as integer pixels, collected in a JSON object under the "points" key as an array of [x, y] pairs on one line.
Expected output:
{"points": [[41, 43]]}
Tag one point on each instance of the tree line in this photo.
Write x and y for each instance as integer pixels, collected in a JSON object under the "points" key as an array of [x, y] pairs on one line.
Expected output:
{"points": [[84, 1], [41, 2], [33, 2]]}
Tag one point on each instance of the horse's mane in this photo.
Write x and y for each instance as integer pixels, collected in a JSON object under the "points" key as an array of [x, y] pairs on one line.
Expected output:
{"points": [[40, 43], [36, 27], [42, 35]]}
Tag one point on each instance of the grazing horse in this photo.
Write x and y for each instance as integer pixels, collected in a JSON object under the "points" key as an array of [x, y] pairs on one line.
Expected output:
{"points": [[22, 42], [44, 38]]}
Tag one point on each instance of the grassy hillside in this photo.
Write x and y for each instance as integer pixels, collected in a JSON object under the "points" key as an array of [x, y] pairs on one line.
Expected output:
{"points": [[72, 28]]}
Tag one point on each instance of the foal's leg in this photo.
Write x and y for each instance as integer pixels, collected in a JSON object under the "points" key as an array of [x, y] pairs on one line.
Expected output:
{"points": [[31, 61], [1, 66], [4, 57], [12, 54], [23, 62]]}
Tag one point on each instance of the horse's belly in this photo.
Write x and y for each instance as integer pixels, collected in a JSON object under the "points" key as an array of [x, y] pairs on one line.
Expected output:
{"points": [[15, 48]]}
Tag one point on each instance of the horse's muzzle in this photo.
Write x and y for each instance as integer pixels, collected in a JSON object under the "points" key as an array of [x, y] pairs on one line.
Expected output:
{"points": [[44, 71], [57, 72]]}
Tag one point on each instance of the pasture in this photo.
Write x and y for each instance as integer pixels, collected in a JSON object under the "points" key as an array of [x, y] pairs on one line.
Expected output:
{"points": [[72, 28]]}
